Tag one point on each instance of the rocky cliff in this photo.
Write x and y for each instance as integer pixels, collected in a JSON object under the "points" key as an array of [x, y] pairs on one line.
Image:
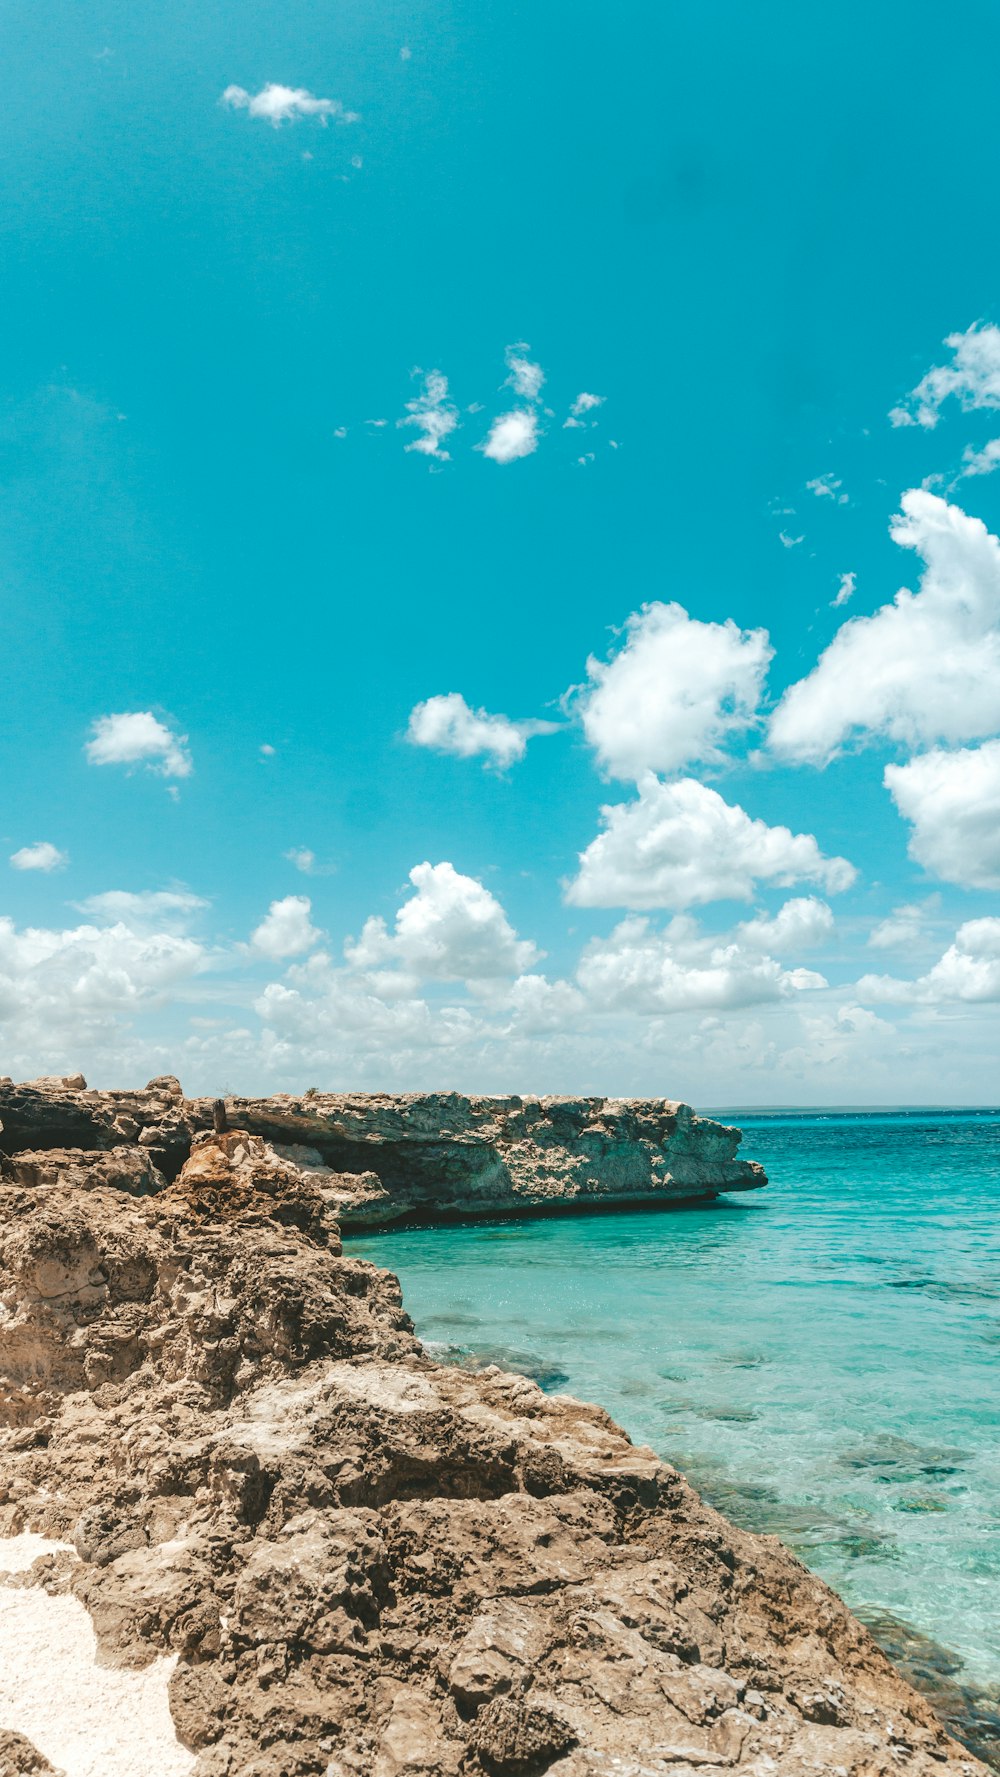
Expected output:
{"points": [[361, 1563], [383, 1158]]}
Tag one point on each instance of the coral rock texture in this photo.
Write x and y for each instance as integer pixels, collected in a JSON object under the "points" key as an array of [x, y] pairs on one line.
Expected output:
{"points": [[366, 1563], [380, 1158]]}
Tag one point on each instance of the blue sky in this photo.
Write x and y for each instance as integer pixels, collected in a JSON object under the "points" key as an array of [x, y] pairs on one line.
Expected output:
{"points": [[750, 237]]}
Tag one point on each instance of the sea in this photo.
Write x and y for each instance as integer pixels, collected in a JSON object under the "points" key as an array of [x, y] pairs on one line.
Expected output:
{"points": [[820, 1359]]}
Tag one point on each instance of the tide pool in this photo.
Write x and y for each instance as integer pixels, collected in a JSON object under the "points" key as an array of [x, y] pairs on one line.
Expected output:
{"points": [[819, 1358]]}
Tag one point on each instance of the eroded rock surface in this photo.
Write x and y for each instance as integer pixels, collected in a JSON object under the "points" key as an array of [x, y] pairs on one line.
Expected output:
{"points": [[370, 1565], [381, 1158]]}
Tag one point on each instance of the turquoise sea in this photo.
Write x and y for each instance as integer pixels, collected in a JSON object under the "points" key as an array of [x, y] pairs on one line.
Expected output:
{"points": [[820, 1358]]}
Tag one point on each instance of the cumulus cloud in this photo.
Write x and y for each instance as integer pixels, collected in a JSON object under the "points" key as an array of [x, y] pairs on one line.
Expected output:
{"points": [[448, 725], [433, 415], [972, 377], [276, 104], [62, 992], [925, 668], [675, 691], [845, 590], [798, 925], [680, 844], [286, 929], [513, 435], [137, 737], [969, 971], [42, 856], [952, 801], [638, 969], [451, 929]]}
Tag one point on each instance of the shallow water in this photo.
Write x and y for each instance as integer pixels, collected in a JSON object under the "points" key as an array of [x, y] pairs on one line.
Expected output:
{"points": [[820, 1358]]}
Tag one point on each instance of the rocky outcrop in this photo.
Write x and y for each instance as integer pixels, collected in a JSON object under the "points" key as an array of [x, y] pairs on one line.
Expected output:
{"points": [[382, 1158], [367, 1564]]}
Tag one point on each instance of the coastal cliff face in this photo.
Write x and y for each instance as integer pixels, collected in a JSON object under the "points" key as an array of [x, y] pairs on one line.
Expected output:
{"points": [[362, 1563], [383, 1158]]}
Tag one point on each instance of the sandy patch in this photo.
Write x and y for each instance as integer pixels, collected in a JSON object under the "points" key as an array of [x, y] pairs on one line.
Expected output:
{"points": [[88, 1720]]}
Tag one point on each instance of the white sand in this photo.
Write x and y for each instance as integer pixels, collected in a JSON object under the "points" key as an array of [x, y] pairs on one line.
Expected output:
{"points": [[88, 1720]]}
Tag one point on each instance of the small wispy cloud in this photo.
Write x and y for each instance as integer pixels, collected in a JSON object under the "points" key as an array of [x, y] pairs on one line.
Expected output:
{"points": [[307, 862], [973, 378], [980, 462], [44, 856], [276, 104], [790, 542], [584, 403], [525, 377], [137, 737], [827, 487], [434, 416], [845, 590]]}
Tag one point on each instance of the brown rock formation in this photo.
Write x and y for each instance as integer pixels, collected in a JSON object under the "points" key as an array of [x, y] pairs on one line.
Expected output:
{"points": [[379, 1158], [370, 1565]]}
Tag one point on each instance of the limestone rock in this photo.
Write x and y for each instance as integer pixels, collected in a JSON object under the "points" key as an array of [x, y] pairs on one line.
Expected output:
{"points": [[380, 1158], [365, 1563]]}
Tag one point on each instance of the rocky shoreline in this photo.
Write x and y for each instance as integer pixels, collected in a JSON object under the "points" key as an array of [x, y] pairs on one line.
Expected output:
{"points": [[381, 1158], [350, 1559]]}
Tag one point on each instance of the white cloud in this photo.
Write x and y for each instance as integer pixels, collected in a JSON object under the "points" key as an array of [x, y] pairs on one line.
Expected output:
{"points": [[525, 378], [286, 929], [43, 856], [303, 859], [277, 104], [827, 487], [926, 667], [674, 692], [788, 542], [151, 910], [980, 462], [680, 844], [434, 416], [584, 403], [973, 377], [448, 725], [638, 969], [952, 800], [513, 435], [845, 590], [798, 925], [63, 993], [451, 929], [904, 927], [969, 971], [137, 737]]}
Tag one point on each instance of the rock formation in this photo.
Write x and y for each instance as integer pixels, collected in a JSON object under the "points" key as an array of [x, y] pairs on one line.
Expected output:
{"points": [[367, 1564], [379, 1158]]}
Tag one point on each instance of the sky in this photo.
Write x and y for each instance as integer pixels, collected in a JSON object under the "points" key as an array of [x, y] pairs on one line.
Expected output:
{"points": [[499, 586]]}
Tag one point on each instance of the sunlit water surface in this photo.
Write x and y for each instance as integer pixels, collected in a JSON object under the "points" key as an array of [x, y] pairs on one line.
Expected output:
{"points": [[820, 1358]]}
